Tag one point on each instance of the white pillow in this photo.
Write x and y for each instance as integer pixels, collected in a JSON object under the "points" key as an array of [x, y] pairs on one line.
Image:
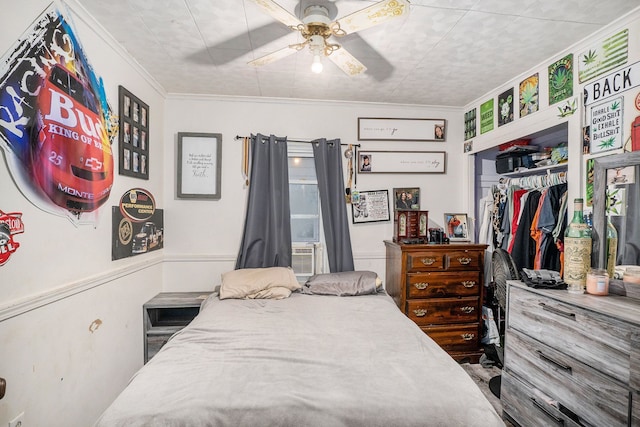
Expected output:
{"points": [[254, 282]]}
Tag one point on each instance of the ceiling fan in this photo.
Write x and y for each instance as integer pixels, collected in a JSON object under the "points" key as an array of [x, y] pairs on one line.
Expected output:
{"points": [[317, 28]]}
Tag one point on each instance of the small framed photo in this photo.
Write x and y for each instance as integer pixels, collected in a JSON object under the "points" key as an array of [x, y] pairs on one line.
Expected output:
{"points": [[406, 199], [456, 227], [364, 162]]}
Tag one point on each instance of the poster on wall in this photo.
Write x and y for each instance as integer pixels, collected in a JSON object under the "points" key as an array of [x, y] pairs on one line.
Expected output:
{"points": [[529, 92], [470, 124], [561, 79], [10, 225], [56, 127], [137, 226], [486, 116], [599, 58], [505, 107], [606, 125]]}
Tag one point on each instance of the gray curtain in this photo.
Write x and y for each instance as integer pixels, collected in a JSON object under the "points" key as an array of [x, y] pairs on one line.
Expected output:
{"points": [[266, 240], [328, 160]]}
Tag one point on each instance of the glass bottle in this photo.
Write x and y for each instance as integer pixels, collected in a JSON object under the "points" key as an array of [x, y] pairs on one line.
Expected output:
{"points": [[612, 247], [577, 250]]}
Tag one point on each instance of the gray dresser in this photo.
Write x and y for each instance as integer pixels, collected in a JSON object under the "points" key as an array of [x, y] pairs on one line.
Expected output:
{"points": [[571, 360]]}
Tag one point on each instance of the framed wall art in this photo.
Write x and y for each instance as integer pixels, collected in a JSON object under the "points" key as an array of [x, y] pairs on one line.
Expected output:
{"points": [[133, 137], [199, 166], [401, 162], [381, 129], [456, 227], [372, 206]]}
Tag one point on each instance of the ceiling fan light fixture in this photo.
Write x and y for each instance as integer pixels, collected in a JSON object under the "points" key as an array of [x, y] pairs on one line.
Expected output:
{"points": [[316, 65]]}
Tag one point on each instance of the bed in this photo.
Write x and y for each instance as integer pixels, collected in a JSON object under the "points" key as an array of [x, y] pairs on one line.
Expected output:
{"points": [[307, 359]]}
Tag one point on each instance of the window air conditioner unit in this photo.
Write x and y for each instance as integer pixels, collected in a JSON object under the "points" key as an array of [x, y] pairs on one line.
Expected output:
{"points": [[303, 260]]}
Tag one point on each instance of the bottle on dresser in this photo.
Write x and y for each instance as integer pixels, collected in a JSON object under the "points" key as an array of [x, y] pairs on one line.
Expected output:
{"points": [[577, 250]]}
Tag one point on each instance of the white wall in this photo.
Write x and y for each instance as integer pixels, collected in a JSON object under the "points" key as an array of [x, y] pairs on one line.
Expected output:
{"points": [[204, 236], [62, 279]]}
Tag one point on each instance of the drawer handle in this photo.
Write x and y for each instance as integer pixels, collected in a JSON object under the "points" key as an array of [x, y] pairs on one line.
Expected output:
{"points": [[553, 362], [428, 261], [469, 283], [467, 309], [557, 311], [468, 337], [540, 406], [464, 260], [421, 285], [420, 312]]}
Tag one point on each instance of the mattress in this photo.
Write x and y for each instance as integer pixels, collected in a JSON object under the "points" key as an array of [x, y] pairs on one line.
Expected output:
{"points": [[306, 360]]}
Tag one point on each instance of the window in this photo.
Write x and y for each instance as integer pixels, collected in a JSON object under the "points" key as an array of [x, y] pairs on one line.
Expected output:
{"points": [[306, 230]]}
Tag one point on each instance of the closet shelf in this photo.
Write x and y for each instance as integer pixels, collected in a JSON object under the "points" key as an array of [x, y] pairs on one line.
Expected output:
{"points": [[536, 171]]}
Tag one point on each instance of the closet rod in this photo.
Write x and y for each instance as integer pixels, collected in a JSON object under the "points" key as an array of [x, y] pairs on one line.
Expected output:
{"points": [[298, 140]]}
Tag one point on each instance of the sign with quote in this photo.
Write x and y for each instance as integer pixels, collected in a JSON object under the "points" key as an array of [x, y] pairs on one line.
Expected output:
{"points": [[606, 125], [199, 167]]}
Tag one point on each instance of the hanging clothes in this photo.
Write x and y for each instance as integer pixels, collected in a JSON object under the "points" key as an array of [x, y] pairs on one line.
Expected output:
{"points": [[525, 247], [528, 218]]}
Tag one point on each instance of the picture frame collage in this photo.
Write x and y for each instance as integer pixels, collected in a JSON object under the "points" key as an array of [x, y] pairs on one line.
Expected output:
{"points": [[133, 137]]}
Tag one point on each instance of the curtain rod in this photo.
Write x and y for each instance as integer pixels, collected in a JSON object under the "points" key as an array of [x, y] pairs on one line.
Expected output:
{"points": [[298, 140]]}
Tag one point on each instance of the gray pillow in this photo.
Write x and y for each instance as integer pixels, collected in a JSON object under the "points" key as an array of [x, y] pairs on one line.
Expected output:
{"points": [[347, 283]]}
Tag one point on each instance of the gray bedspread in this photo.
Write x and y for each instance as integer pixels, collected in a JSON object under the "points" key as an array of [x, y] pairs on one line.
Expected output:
{"points": [[307, 360]]}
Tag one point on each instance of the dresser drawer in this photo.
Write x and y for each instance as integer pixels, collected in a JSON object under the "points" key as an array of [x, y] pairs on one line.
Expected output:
{"points": [[426, 261], [464, 260], [598, 341], [455, 337], [528, 406], [567, 381], [430, 285], [426, 312]]}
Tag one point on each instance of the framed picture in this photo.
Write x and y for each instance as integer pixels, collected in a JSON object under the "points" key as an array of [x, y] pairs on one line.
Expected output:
{"points": [[401, 161], [133, 136], [381, 129], [406, 199], [199, 165], [371, 206], [456, 227]]}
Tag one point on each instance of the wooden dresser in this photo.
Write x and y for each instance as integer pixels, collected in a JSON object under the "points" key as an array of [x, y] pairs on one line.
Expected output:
{"points": [[571, 360], [440, 288]]}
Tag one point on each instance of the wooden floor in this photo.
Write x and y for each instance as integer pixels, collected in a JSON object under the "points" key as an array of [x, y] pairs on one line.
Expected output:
{"points": [[481, 377]]}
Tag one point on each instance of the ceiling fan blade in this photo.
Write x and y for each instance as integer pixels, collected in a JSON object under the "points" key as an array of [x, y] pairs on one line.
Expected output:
{"points": [[373, 15], [347, 62], [272, 57], [278, 12]]}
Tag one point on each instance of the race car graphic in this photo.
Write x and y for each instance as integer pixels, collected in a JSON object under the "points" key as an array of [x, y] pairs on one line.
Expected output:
{"points": [[149, 237], [71, 156]]}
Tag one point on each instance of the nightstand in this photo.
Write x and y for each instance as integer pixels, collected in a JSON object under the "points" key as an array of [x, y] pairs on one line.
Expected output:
{"points": [[165, 314]]}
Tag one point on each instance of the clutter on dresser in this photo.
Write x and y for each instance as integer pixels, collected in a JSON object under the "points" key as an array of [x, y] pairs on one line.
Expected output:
{"points": [[410, 226], [548, 279]]}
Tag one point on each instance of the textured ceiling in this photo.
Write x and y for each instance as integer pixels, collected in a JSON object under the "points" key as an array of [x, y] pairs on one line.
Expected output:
{"points": [[444, 52]]}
